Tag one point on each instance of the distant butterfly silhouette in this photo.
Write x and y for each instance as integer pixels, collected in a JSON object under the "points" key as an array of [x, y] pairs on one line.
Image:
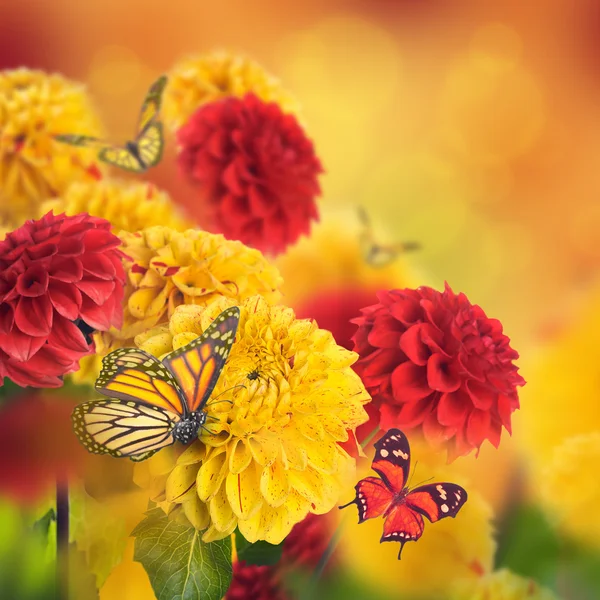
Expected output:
{"points": [[376, 254], [403, 509], [145, 150], [152, 402]]}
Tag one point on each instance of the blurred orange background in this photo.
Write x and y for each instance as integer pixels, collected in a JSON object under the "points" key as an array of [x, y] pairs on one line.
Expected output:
{"points": [[470, 126]]}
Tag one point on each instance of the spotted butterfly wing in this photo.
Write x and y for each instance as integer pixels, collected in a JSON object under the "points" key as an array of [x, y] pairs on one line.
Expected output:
{"points": [[402, 509], [198, 365], [152, 103]]}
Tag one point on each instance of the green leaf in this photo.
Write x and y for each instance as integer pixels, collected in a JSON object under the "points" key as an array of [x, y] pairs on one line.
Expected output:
{"points": [[179, 564], [259, 553], [98, 533], [42, 526]]}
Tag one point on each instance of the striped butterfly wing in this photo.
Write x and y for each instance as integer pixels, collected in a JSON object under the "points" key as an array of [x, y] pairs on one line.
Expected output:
{"points": [[123, 158], [123, 429], [198, 365], [135, 376], [81, 140], [149, 145], [152, 103]]}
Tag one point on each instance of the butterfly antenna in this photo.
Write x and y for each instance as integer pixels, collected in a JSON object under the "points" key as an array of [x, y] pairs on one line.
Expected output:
{"points": [[422, 482], [229, 389], [219, 402], [412, 474]]}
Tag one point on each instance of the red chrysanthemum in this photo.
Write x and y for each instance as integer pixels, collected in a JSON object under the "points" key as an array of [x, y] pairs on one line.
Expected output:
{"points": [[306, 544], [59, 276], [434, 361], [256, 171], [36, 445], [256, 582]]}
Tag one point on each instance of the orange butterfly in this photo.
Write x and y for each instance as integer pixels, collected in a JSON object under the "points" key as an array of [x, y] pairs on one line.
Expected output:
{"points": [[153, 403]]}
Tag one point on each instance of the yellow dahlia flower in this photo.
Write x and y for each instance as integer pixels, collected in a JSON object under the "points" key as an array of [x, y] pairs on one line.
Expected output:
{"points": [[34, 106], [167, 268], [460, 548], [201, 79], [501, 585], [569, 488], [127, 205], [272, 455]]}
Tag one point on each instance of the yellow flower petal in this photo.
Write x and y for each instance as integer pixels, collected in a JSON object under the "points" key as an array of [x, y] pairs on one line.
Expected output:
{"points": [[240, 456], [274, 484], [243, 491], [180, 483], [211, 474], [221, 514], [196, 512]]}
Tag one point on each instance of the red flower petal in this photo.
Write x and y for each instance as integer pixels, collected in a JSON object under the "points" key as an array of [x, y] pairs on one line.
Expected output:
{"points": [[21, 346], [98, 291], [440, 374], [478, 426], [98, 265], [34, 316], [34, 282], [385, 333], [409, 382], [453, 408], [66, 299], [68, 270]]}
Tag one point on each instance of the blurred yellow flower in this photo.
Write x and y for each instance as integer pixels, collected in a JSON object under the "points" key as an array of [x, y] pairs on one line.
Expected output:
{"points": [[501, 585], [556, 410], [198, 80], [569, 488], [333, 258], [127, 205], [460, 548], [167, 268], [272, 455], [34, 106]]}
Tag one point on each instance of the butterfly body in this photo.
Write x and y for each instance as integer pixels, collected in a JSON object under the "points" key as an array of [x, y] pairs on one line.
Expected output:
{"points": [[154, 403], [389, 496], [136, 155]]}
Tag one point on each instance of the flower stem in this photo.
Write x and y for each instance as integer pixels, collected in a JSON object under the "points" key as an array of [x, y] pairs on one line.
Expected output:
{"points": [[62, 538], [366, 441]]}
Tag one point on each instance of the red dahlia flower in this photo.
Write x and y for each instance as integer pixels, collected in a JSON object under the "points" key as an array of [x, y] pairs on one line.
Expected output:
{"points": [[434, 361], [59, 278], [256, 170], [256, 582]]}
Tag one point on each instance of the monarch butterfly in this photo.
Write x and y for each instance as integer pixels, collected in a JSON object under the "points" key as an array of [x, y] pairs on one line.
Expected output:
{"points": [[152, 403], [145, 150], [402, 508], [380, 255]]}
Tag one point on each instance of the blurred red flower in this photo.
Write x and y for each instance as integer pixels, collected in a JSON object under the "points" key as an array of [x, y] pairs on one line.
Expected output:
{"points": [[59, 277], [36, 445], [306, 544], [434, 361], [256, 582], [256, 171]]}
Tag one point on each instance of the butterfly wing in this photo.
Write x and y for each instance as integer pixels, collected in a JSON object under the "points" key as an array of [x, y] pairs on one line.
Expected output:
{"points": [[150, 145], [437, 500], [151, 105], [198, 365], [133, 375], [373, 498], [81, 140], [122, 428], [122, 158], [402, 524], [392, 459]]}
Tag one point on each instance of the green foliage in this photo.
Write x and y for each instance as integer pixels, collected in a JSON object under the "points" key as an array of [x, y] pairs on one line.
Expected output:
{"points": [[180, 566], [259, 553], [530, 546], [97, 532]]}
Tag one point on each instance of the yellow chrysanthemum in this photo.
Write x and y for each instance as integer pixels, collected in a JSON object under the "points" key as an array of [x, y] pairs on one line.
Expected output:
{"points": [[501, 585], [556, 410], [569, 490], [166, 268], [127, 205], [201, 79], [272, 455], [332, 258], [460, 548], [34, 106]]}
